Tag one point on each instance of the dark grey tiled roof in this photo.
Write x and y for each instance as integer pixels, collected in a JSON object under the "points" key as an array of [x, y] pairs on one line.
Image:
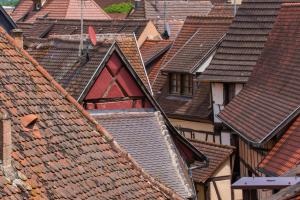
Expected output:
{"points": [[244, 42], [143, 135]]}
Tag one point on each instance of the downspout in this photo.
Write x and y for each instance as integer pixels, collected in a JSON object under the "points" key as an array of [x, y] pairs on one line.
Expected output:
{"points": [[190, 169]]}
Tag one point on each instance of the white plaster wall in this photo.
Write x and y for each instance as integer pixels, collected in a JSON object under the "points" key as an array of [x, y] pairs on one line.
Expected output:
{"points": [[238, 88], [218, 98], [224, 186], [206, 63], [225, 138]]}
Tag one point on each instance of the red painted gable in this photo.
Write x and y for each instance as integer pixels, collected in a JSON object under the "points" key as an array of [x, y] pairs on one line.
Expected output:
{"points": [[115, 88]]}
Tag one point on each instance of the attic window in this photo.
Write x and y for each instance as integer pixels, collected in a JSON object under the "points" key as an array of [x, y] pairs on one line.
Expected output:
{"points": [[181, 84], [28, 121]]}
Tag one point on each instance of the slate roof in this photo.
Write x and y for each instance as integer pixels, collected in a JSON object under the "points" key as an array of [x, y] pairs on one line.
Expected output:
{"points": [[57, 9], [60, 58], [66, 154], [47, 27], [217, 155], [200, 45], [244, 42], [174, 9], [271, 99], [152, 49], [285, 155], [143, 135]]}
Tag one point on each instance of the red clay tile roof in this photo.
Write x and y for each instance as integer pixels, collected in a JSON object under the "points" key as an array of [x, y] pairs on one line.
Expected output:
{"points": [[200, 45], [217, 154], [189, 28], [174, 27], [151, 49], [154, 68], [60, 58], [195, 108], [198, 36], [174, 9], [67, 155], [244, 42], [285, 155], [47, 27], [271, 99], [58, 9]]}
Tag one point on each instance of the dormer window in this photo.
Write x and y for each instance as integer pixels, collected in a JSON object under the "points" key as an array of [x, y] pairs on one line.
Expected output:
{"points": [[181, 84]]}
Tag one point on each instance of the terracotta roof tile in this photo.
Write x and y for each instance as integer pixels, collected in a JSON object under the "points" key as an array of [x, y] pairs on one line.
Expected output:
{"points": [[153, 48], [198, 36], [189, 28], [217, 154], [174, 9], [285, 155], [174, 27], [244, 42], [209, 33], [58, 9], [270, 100], [68, 149]]}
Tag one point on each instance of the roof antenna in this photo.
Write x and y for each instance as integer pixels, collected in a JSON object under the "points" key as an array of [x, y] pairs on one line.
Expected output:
{"points": [[81, 29], [234, 11]]}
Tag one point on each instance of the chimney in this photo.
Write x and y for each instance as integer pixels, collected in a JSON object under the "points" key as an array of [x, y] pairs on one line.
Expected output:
{"points": [[37, 4], [5, 140], [137, 4], [17, 34]]}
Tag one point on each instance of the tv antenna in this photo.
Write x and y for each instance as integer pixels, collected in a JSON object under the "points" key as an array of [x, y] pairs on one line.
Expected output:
{"points": [[81, 28]]}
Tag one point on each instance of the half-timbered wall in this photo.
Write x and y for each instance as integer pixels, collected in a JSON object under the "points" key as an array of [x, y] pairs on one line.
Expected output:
{"points": [[115, 89], [250, 157]]}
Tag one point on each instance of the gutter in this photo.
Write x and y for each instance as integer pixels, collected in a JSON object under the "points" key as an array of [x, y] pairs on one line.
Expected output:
{"points": [[275, 130], [190, 169]]}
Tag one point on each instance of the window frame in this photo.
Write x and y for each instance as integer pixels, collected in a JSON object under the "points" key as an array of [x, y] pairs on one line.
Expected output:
{"points": [[181, 84]]}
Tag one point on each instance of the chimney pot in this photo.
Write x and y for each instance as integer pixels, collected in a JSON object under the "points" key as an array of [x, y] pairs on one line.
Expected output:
{"points": [[17, 34], [137, 4], [5, 140]]}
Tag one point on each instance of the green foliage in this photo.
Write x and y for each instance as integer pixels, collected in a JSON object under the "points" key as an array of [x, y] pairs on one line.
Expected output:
{"points": [[9, 2], [119, 8]]}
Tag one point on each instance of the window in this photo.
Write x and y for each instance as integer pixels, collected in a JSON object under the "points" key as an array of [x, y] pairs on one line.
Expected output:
{"points": [[229, 93], [175, 83], [181, 84]]}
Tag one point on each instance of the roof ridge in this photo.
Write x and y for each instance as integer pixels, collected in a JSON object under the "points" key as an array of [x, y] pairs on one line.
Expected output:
{"points": [[172, 150], [108, 137]]}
